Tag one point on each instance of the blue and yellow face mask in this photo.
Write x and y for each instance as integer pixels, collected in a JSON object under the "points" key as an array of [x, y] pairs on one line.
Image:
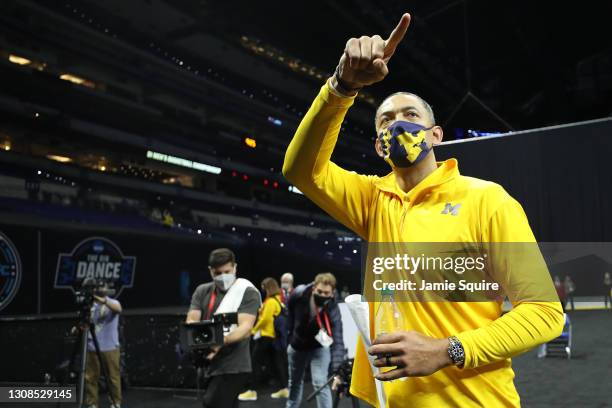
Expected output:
{"points": [[403, 143]]}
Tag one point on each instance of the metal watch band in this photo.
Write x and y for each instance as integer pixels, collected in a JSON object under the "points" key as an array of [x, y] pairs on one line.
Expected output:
{"points": [[455, 351]]}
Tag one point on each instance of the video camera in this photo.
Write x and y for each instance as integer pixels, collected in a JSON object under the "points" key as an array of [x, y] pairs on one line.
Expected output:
{"points": [[208, 333], [345, 371], [84, 295], [199, 338]]}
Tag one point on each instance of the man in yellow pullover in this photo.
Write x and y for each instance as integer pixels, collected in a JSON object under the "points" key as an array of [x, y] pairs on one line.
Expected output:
{"points": [[453, 353]]}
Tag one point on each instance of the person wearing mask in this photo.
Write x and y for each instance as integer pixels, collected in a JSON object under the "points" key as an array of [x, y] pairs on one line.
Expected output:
{"points": [[265, 351], [315, 338], [455, 353], [105, 318], [286, 286], [229, 365]]}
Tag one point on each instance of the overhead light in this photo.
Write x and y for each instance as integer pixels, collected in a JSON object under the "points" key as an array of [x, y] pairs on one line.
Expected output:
{"points": [[169, 180], [16, 59], [178, 161], [57, 158], [7, 146], [250, 142], [275, 121], [102, 168], [78, 80]]}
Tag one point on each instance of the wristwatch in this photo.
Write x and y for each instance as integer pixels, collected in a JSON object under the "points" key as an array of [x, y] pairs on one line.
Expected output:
{"points": [[342, 87], [455, 351]]}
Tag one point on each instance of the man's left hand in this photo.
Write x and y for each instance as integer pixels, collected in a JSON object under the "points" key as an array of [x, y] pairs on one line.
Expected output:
{"points": [[412, 353]]}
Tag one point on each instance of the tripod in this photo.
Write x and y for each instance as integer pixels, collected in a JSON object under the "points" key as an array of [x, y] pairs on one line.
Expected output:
{"points": [[83, 328]]}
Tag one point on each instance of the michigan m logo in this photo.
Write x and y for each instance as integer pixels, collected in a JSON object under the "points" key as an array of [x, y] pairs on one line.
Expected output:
{"points": [[451, 209]]}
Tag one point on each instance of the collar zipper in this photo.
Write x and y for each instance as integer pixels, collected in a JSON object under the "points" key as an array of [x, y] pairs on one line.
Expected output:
{"points": [[410, 203], [403, 216]]}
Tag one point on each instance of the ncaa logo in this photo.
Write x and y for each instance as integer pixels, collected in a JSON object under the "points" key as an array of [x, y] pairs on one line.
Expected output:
{"points": [[95, 258], [10, 271], [98, 247]]}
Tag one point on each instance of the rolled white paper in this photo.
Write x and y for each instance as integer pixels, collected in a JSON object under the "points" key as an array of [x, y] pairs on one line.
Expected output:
{"points": [[360, 313]]}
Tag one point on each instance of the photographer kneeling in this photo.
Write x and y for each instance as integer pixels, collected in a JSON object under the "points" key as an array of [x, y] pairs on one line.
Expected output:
{"points": [[228, 366]]}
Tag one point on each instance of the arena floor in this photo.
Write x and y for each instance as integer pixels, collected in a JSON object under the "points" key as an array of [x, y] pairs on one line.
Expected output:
{"points": [[584, 381]]}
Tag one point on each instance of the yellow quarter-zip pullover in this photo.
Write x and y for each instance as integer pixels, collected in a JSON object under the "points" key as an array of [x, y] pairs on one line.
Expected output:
{"points": [[379, 211]]}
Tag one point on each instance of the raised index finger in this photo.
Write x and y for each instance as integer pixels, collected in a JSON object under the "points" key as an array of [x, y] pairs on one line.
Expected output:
{"points": [[397, 35]]}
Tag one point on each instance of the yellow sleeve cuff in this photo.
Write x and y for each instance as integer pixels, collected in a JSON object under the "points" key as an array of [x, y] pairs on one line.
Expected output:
{"points": [[466, 342], [334, 98]]}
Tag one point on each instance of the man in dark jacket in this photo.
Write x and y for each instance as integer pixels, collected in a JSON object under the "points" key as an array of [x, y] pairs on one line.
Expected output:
{"points": [[315, 330]]}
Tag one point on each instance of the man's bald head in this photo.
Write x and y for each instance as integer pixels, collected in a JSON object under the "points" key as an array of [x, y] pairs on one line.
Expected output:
{"points": [[403, 102]]}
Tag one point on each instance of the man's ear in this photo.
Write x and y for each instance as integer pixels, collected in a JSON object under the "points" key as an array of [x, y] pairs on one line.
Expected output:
{"points": [[378, 148], [236, 268], [438, 135], [211, 272]]}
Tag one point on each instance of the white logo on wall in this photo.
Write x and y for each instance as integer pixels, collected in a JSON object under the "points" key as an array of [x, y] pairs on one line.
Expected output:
{"points": [[10, 271]]}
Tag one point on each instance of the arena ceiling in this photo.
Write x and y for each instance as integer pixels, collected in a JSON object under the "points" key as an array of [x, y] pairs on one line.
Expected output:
{"points": [[491, 65]]}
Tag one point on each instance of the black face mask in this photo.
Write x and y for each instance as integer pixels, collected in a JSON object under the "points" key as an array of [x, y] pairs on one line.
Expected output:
{"points": [[321, 301]]}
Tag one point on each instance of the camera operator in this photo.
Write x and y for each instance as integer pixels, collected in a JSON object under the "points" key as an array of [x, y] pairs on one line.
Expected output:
{"points": [[105, 318], [229, 365], [315, 327]]}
